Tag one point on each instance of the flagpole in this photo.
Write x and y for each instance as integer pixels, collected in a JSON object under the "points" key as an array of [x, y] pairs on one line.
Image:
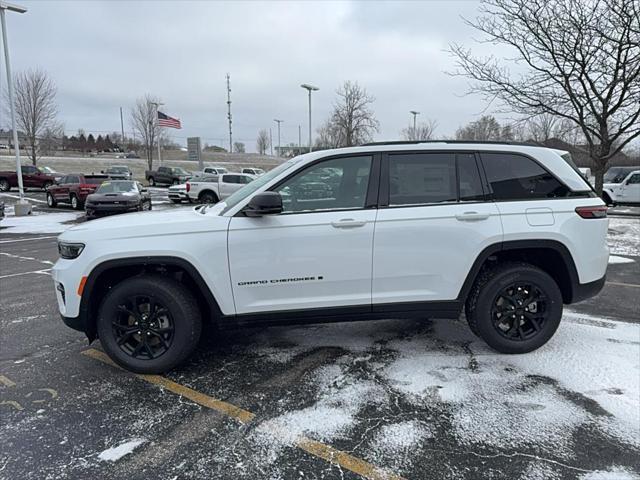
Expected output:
{"points": [[157, 105]]}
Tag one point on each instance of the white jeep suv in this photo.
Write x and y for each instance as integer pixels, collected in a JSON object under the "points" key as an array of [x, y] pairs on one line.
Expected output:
{"points": [[509, 233]]}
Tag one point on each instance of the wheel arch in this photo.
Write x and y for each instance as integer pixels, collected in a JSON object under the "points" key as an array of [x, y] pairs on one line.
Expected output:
{"points": [[107, 274], [549, 255], [208, 190]]}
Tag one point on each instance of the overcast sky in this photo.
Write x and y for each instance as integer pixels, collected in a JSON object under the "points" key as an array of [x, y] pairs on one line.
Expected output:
{"points": [[103, 55]]}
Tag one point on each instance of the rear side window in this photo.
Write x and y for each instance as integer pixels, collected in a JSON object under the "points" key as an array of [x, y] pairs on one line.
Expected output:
{"points": [[514, 177], [73, 179], [422, 178], [469, 176]]}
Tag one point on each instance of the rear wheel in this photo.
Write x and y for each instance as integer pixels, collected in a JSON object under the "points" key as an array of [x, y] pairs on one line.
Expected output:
{"points": [[46, 185], [4, 185], [152, 182], [514, 307], [149, 324], [76, 204], [175, 200], [208, 197], [51, 202]]}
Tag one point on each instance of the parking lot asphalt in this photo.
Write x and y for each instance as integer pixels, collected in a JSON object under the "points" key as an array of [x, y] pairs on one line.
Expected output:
{"points": [[381, 399]]}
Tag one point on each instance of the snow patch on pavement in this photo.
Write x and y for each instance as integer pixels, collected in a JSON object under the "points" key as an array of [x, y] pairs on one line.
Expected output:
{"points": [[614, 259], [613, 474], [116, 453], [624, 236], [39, 222]]}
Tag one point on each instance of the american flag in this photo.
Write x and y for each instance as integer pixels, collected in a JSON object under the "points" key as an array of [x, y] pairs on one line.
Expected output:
{"points": [[165, 120]]}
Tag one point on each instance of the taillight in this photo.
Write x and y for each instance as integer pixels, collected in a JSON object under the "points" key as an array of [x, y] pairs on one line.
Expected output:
{"points": [[188, 187], [87, 188], [592, 212]]}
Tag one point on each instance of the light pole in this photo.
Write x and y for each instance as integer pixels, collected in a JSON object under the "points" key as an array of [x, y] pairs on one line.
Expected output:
{"points": [[310, 88], [22, 207], [278, 122], [157, 105], [415, 114]]}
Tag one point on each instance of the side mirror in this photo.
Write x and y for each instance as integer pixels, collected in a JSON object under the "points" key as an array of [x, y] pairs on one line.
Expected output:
{"points": [[265, 203]]}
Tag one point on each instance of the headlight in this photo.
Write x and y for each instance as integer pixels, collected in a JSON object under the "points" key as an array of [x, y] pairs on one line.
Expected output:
{"points": [[70, 250]]}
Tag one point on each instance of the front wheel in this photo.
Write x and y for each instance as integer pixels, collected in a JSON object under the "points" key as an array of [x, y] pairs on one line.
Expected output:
{"points": [[208, 197], [152, 182], [149, 324], [46, 185], [4, 185], [76, 204], [514, 307]]}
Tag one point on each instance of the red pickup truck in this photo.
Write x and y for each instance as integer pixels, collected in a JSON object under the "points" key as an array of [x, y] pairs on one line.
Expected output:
{"points": [[32, 177], [74, 189]]}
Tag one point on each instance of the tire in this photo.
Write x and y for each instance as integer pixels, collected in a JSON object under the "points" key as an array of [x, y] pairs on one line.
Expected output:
{"points": [[152, 182], [4, 185], [46, 185], [208, 197], [176, 325], [76, 204], [176, 201], [145, 206], [491, 300], [51, 202]]}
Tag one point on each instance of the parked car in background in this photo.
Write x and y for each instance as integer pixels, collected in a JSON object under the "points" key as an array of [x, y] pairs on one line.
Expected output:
{"points": [[1, 210], [626, 191], [119, 172], [206, 171], [167, 176], [613, 190], [118, 196], [178, 193], [214, 188], [253, 171], [73, 189], [128, 155], [50, 171], [32, 177]]}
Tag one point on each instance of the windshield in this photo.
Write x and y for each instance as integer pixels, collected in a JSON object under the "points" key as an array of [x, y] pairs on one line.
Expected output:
{"points": [[117, 187], [250, 188], [616, 175], [179, 171], [47, 170]]}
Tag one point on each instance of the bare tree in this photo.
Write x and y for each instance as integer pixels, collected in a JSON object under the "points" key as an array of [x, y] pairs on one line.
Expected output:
{"points": [[51, 139], [35, 103], [582, 64], [353, 122], [423, 131], [262, 142], [328, 136], [145, 125], [238, 147], [486, 128], [542, 127]]}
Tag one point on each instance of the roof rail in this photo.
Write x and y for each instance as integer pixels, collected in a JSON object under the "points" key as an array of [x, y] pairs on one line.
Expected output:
{"points": [[417, 142]]}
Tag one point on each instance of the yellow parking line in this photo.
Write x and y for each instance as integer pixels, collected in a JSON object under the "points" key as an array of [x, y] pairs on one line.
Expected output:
{"points": [[243, 416], [317, 449], [620, 284]]}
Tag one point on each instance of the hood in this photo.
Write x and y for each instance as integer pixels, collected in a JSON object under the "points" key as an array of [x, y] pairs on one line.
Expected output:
{"points": [[611, 186], [146, 224]]}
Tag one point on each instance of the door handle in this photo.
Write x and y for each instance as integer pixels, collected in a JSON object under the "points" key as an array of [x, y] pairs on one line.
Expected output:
{"points": [[472, 216], [348, 223]]}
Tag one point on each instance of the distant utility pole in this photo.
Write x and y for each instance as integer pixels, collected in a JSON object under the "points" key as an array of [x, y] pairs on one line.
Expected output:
{"points": [[279, 148], [122, 128], [310, 88], [415, 114], [299, 138], [229, 112], [271, 141]]}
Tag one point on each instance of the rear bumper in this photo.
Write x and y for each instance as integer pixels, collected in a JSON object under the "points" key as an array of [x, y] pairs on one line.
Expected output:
{"points": [[583, 291]]}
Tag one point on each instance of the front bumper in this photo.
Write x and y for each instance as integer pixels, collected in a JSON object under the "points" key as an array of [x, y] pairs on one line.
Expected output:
{"points": [[178, 196], [94, 210]]}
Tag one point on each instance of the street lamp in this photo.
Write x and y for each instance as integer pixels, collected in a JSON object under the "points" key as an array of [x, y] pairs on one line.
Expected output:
{"points": [[157, 105], [22, 207], [278, 122], [415, 114], [310, 88]]}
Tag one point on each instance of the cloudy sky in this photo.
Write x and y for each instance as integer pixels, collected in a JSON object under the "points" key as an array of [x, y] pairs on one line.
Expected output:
{"points": [[103, 55]]}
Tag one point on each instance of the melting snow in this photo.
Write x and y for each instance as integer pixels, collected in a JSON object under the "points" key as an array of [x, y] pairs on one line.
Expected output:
{"points": [[116, 453], [39, 222], [624, 236], [614, 259], [613, 474]]}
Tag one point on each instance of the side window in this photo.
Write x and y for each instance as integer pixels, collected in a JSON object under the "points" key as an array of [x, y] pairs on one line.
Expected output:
{"points": [[416, 179], [634, 179], [230, 179], [63, 180], [73, 179], [514, 177], [28, 170], [244, 180], [469, 177], [164, 170], [340, 183]]}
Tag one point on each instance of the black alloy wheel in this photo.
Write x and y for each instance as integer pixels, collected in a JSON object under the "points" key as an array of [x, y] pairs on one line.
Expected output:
{"points": [[143, 327], [519, 311]]}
